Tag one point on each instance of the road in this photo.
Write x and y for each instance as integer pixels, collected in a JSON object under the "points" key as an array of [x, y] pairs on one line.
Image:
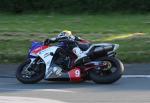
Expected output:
{"points": [[126, 90], [8, 70]]}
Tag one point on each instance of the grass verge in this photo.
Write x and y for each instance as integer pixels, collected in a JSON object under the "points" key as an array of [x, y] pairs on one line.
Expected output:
{"points": [[130, 31]]}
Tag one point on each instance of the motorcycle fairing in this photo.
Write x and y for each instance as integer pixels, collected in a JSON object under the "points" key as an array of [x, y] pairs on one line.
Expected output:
{"points": [[34, 46], [74, 75], [47, 56]]}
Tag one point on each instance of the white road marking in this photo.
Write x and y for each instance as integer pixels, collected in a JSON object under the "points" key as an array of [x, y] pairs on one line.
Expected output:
{"points": [[54, 90], [136, 76], [7, 99], [49, 90]]}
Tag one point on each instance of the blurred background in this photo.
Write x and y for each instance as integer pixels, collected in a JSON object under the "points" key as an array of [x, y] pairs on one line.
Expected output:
{"points": [[126, 22]]}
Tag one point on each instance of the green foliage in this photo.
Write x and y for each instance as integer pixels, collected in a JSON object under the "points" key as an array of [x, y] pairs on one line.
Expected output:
{"points": [[75, 6]]}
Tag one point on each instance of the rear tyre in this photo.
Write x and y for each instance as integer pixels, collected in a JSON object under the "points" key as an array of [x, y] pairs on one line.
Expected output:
{"points": [[108, 76], [31, 76]]}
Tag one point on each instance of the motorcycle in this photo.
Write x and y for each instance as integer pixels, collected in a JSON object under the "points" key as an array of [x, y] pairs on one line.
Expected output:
{"points": [[57, 63]]}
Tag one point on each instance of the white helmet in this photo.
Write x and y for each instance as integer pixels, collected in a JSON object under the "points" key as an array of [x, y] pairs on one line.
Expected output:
{"points": [[65, 33]]}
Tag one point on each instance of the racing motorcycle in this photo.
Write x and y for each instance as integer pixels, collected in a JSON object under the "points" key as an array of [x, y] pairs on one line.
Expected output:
{"points": [[57, 63]]}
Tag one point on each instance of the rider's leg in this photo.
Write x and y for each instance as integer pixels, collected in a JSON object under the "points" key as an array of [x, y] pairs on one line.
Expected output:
{"points": [[79, 53]]}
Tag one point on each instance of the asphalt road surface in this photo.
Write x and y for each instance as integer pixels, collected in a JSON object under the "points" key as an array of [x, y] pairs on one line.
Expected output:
{"points": [[130, 69], [132, 89]]}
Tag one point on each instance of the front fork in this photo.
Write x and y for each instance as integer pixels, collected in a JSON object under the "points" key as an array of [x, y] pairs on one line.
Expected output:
{"points": [[34, 62], [29, 66]]}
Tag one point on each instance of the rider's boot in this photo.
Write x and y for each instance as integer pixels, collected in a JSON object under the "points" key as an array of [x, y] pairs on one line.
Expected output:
{"points": [[79, 53]]}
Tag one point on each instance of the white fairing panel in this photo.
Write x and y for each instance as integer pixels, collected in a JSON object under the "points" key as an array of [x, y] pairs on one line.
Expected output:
{"points": [[47, 58]]}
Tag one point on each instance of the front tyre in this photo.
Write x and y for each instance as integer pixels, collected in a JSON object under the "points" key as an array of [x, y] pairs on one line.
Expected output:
{"points": [[108, 74], [30, 74]]}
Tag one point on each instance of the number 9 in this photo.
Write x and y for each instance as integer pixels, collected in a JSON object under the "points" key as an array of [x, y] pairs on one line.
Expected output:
{"points": [[77, 73]]}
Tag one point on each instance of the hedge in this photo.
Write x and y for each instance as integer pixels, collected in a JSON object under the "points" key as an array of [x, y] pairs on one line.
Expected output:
{"points": [[75, 6]]}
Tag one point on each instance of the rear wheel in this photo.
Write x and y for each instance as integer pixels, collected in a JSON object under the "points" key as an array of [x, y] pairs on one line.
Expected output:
{"points": [[30, 74], [110, 72]]}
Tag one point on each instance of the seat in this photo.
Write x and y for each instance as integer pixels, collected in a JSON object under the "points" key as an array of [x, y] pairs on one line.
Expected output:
{"points": [[84, 46]]}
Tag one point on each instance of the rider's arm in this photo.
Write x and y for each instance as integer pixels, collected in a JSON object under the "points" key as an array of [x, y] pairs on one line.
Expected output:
{"points": [[51, 40], [78, 38], [81, 40]]}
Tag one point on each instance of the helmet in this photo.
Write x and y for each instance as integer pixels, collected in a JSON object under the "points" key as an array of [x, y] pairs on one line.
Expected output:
{"points": [[65, 33]]}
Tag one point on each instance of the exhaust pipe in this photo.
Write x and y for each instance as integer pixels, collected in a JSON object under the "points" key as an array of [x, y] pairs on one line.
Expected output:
{"points": [[101, 50]]}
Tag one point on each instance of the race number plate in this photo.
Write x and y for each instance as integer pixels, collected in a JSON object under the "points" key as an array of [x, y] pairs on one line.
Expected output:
{"points": [[75, 75]]}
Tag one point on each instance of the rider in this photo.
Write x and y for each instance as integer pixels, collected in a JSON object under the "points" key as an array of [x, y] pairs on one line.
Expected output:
{"points": [[67, 34]]}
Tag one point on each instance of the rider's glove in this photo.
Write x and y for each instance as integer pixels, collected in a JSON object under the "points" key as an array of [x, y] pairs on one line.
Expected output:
{"points": [[51, 40]]}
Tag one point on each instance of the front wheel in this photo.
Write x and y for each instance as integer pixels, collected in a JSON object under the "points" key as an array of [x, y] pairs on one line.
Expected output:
{"points": [[29, 74], [108, 74]]}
